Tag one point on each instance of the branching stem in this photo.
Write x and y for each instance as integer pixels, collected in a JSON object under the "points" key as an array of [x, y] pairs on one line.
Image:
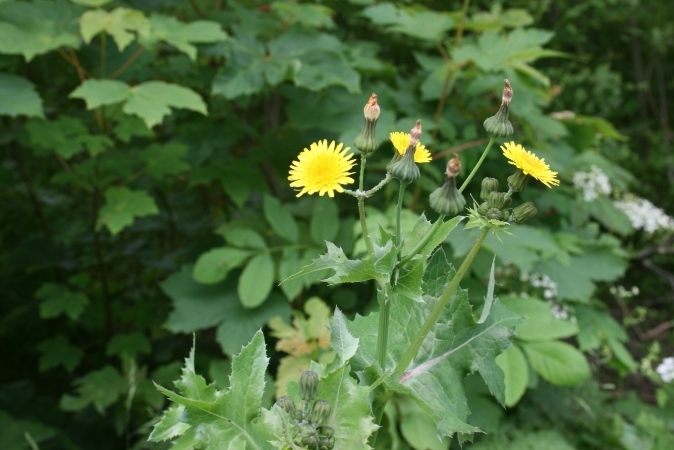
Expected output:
{"points": [[477, 166]]}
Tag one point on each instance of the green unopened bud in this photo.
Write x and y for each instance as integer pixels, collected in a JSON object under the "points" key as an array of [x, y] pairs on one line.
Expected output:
{"points": [[482, 209], [320, 412], [494, 213], [518, 181], [498, 125], [327, 431], [405, 169], [498, 200], [447, 199], [307, 435], [366, 141], [288, 405], [308, 385], [488, 185], [523, 212]]}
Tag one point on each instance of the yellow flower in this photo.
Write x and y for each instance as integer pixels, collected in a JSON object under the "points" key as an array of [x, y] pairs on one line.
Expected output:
{"points": [[402, 140], [530, 164], [322, 168]]}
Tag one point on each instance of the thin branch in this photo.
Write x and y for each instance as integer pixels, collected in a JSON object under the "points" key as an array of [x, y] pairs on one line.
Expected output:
{"points": [[664, 326], [458, 148], [127, 63], [196, 9]]}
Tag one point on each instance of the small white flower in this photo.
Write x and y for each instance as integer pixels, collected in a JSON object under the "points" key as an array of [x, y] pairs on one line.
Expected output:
{"points": [[644, 214], [593, 183], [666, 369], [558, 312], [544, 282]]}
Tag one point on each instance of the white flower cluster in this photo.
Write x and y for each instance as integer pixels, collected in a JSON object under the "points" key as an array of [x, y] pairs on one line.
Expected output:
{"points": [[558, 312], [544, 282], [666, 369], [644, 214], [593, 183], [621, 292]]}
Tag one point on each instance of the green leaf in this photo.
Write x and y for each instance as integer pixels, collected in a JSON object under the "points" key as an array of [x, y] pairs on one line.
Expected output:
{"points": [[557, 362], [101, 388], [232, 418], [18, 97], [417, 426], [128, 345], [121, 23], [14, 432], [315, 16], [214, 265], [130, 126], [92, 3], [290, 264], [341, 339], [57, 299], [422, 24], [489, 299], [539, 323], [516, 370], [66, 136], [151, 100], [165, 160], [183, 36], [280, 220], [324, 223], [170, 426], [435, 376], [256, 280], [409, 281], [243, 237], [34, 28], [198, 306], [59, 351], [420, 231], [122, 206]]}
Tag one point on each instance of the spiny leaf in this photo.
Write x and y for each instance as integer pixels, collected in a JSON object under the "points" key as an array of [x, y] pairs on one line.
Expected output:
{"points": [[341, 339]]}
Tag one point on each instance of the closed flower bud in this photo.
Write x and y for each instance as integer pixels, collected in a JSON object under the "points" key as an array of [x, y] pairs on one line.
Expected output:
{"points": [[453, 167], [288, 405], [366, 141], [320, 412], [327, 431], [498, 200], [405, 169], [307, 435], [488, 185], [523, 212], [518, 181], [308, 385], [447, 199], [498, 125], [482, 209]]}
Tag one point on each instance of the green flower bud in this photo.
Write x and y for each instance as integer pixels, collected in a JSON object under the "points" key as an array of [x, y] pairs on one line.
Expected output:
{"points": [[482, 209], [320, 412], [518, 181], [288, 405], [327, 431], [498, 125], [366, 141], [488, 185], [447, 199], [307, 435], [498, 200], [406, 169], [523, 212], [494, 213], [308, 385]]}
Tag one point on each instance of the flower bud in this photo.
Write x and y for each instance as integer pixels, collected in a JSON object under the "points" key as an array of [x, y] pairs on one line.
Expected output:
{"points": [[288, 405], [523, 212], [327, 431], [453, 167], [308, 385], [498, 200], [498, 125], [447, 199], [518, 181], [366, 141], [307, 435], [482, 209], [320, 412], [405, 169], [488, 185]]}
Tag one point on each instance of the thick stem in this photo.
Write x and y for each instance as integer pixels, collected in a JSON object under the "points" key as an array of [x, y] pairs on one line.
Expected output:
{"points": [[477, 166], [439, 307], [399, 207], [361, 206], [427, 237]]}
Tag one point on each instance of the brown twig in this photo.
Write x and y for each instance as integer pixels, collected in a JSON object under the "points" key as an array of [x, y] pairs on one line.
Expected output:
{"points": [[127, 63], [664, 326], [458, 148], [196, 9]]}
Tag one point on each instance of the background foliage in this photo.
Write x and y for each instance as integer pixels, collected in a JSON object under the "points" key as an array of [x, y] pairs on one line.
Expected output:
{"points": [[145, 147]]}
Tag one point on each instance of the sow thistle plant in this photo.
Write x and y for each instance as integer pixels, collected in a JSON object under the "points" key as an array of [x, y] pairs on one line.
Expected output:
{"points": [[422, 342]]}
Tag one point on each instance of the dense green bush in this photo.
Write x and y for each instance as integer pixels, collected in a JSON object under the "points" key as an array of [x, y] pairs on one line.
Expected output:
{"points": [[145, 155]]}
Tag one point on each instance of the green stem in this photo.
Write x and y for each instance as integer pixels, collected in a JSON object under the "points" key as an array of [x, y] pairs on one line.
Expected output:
{"points": [[361, 206], [422, 243], [399, 207], [381, 184], [439, 307], [477, 166]]}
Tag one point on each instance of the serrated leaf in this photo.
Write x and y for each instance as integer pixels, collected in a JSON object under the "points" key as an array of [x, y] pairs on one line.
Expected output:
{"points": [[128, 345], [165, 160], [341, 339], [183, 36], [280, 220], [34, 28], [235, 415], [214, 265], [408, 283], [169, 426], [557, 362], [422, 24], [101, 388], [101, 92], [59, 351], [122, 24], [57, 300], [316, 16], [420, 231], [489, 299], [256, 280], [123, 206], [516, 371], [455, 347], [18, 97], [130, 126], [345, 270], [66, 136], [324, 223]]}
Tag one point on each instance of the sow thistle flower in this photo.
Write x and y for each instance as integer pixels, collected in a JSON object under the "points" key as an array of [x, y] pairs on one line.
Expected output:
{"points": [[401, 141], [527, 164], [322, 168]]}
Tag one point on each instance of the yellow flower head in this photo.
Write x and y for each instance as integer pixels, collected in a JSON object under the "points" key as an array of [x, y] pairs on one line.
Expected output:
{"points": [[530, 164], [322, 168], [402, 140]]}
